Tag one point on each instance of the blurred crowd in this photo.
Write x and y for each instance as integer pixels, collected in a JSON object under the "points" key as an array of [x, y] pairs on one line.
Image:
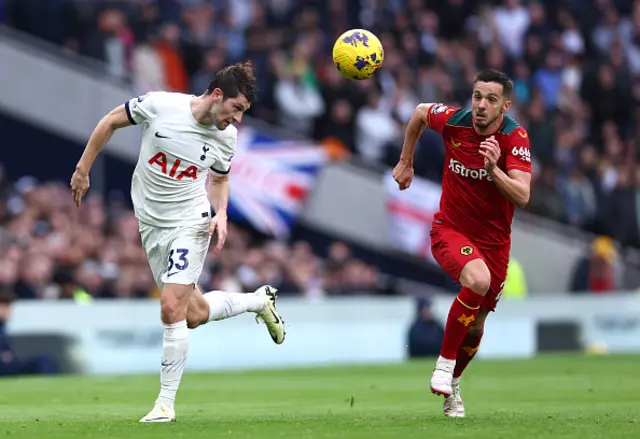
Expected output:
{"points": [[575, 64], [53, 250]]}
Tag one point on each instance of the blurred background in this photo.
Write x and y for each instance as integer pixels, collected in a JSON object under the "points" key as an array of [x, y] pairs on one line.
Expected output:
{"points": [[313, 209]]}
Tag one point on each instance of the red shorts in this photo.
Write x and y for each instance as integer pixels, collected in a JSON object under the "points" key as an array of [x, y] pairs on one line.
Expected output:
{"points": [[452, 250]]}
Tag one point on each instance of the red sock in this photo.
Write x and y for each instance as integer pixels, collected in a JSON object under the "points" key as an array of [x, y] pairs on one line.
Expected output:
{"points": [[467, 351], [463, 312]]}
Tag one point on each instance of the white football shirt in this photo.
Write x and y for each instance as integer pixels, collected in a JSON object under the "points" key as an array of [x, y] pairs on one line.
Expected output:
{"points": [[168, 187]]}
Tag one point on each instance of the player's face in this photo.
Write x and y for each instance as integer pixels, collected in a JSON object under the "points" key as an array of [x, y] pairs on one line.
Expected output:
{"points": [[488, 103], [228, 111]]}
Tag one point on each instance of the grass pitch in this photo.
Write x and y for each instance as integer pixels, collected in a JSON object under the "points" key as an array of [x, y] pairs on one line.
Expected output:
{"points": [[554, 397]]}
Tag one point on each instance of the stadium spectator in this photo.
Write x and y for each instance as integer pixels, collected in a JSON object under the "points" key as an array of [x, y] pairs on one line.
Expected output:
{"points": [[425, 333], [110, 42], [596, 272]]}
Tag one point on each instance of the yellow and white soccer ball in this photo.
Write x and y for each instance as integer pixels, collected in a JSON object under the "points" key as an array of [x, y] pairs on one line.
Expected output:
{"points": [[357, 54]]}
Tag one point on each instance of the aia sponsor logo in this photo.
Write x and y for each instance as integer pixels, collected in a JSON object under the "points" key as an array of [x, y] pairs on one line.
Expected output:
{"points": [[172, 168], [475, 174]]}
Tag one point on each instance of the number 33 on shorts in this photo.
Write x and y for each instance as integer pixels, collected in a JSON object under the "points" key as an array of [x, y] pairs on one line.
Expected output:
{"points": [[178, 260]]}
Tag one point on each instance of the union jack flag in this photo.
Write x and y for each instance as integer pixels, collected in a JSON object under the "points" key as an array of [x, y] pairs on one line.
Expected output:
{"points": [[270, 179]]}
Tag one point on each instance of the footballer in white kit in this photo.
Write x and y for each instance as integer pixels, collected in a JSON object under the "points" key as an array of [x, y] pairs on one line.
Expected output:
{"points": [[168, 188], [187, 140]]}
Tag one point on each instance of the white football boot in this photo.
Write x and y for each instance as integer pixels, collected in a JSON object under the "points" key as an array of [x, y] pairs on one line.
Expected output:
{"points": [[160, 413], [453, 405], [442, 376], [269, 315]]}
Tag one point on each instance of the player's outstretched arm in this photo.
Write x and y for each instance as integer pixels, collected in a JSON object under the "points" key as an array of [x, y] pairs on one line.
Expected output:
{"points": [[415, 128], [219, 199], [403, 172], [117, 118]]}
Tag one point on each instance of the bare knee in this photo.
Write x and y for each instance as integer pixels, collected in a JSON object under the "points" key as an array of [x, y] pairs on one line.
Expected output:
{"points": [[173, 303], [197, 309], [476, 276]]}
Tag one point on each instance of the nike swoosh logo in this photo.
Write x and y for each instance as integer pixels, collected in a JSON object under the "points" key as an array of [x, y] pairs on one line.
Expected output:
{"points": [[160, 136], [171, 274], [275, 316]]}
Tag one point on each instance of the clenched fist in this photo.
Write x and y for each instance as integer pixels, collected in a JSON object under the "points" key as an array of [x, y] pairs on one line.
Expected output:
{"points": [[490, 150], [403, 174]]}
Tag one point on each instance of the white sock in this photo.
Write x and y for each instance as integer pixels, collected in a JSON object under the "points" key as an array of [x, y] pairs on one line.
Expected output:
{"points": [[223, 305], [175, 345]]}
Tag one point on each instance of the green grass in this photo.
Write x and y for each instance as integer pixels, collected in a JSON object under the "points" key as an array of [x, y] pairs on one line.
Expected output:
{"points": [[549, 397]]}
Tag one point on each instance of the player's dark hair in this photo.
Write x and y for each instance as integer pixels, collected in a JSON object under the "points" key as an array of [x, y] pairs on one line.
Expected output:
{"points": [[490, 75], [235, 80]]}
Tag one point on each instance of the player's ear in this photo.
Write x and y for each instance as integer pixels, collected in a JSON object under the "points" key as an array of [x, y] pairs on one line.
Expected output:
{"points": [[506, 106], [217, 94]]}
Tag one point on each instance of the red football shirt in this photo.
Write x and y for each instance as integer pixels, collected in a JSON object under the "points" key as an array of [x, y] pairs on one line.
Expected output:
{"points": [[470, 201]]}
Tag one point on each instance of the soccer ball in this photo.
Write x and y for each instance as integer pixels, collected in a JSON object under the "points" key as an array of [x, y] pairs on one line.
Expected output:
{"points": [[357, 54]]}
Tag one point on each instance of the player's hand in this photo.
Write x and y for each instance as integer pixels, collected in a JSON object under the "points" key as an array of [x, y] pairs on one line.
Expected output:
{"points": [[403, 174], [219, 224], [79, 185], [490, 150]]}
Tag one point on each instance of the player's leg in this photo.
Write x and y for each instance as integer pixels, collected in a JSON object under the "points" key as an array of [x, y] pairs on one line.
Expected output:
{"points": [[475, 280], [470, 344], [174, 265], [453, 405], [464, 263], [220, 305], [175, 347], [497, 263]]}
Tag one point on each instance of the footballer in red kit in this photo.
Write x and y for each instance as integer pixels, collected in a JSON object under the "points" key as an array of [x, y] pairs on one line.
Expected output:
{"points": [[487, 173]]}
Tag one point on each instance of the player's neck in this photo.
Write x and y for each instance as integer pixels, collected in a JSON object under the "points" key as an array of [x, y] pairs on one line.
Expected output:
{"points": [[201, 110], [489, 129]]}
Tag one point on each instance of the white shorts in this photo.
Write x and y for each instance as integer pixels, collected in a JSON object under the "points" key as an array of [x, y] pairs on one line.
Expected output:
{"points": [[176, 254]]}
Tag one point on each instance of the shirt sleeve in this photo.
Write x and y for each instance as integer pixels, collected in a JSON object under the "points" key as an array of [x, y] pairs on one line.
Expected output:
{"points": [[222, 166], [518, 153], [439, 115], [141, 109]]}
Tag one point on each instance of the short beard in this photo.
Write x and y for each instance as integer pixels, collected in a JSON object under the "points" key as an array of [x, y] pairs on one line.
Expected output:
{"points": [[488, 123]]}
